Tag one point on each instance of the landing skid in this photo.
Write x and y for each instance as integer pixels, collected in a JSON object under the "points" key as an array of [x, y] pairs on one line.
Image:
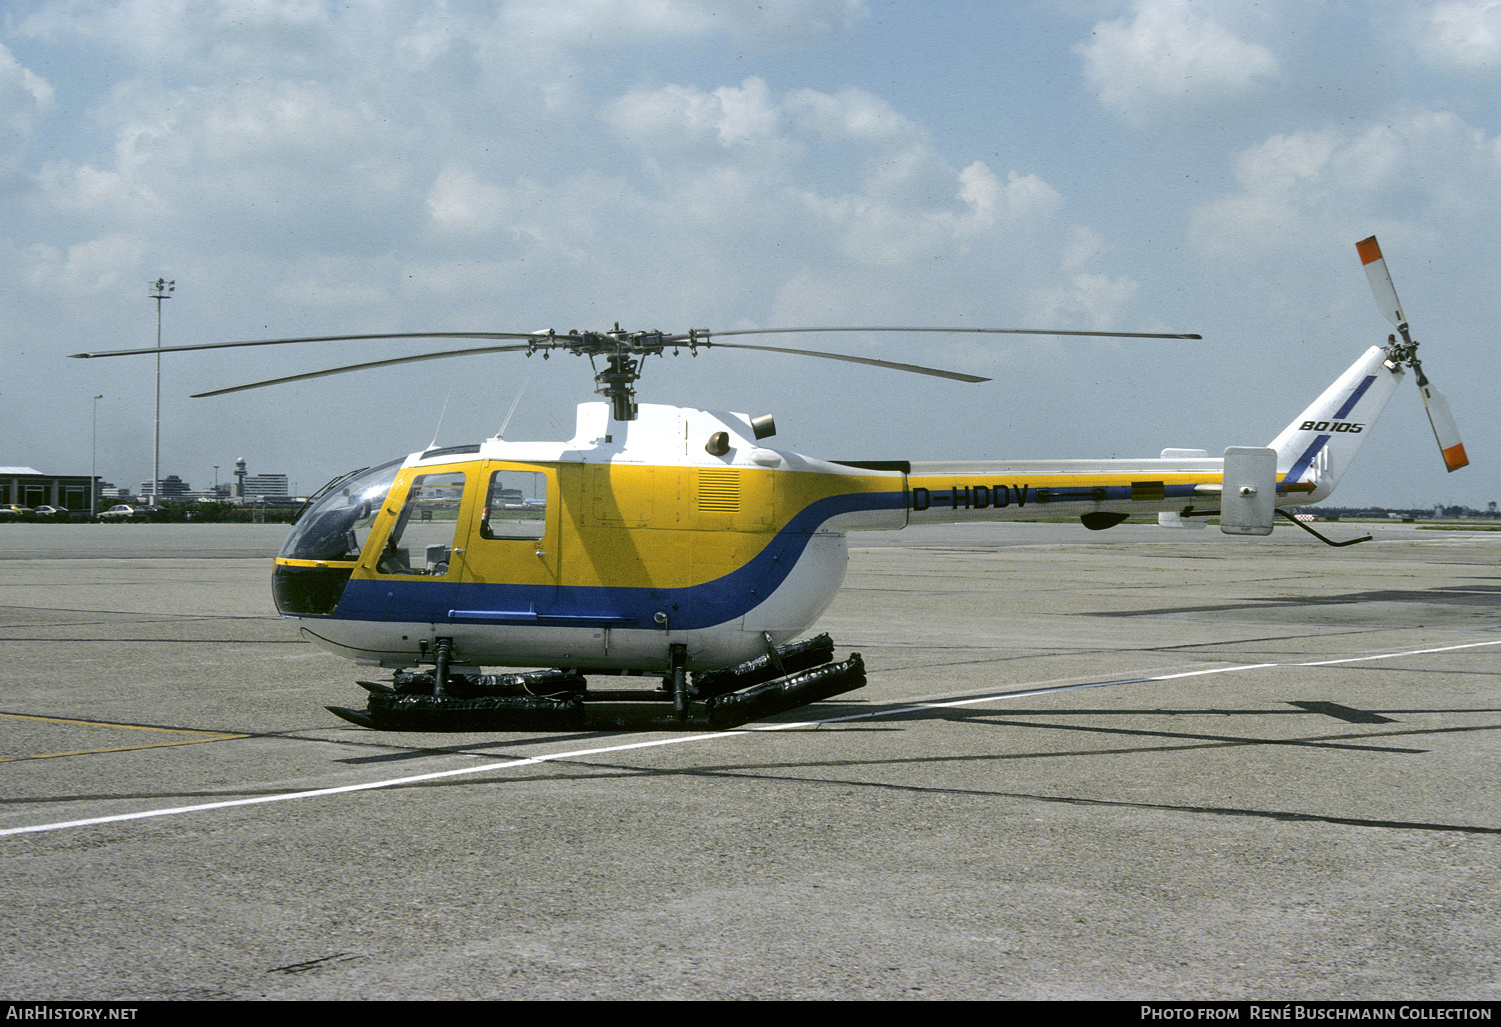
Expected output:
{"points": [[786, 678]]}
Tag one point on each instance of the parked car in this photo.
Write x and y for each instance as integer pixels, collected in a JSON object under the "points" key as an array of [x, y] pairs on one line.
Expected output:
{"points": [[15, 512], [120, 512], [51, 513]]}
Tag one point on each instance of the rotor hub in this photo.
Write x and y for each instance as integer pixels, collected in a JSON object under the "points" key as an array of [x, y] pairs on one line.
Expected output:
{"points": [[623, 354]]}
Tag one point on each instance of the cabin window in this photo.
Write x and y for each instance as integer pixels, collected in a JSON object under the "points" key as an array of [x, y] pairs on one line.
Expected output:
{"points": [[515, 506], [422, 540]]}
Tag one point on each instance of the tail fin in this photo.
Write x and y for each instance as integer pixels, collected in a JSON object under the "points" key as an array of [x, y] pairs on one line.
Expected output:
{"points": [[1314, 451]]}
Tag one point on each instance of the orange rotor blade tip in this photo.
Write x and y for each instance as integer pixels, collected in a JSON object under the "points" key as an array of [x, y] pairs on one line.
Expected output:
{"points": [[1455, 458], [1369, 251]]}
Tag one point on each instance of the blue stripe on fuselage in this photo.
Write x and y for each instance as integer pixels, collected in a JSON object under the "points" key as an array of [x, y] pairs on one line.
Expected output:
{"points": [[1296, 473], [1349, 404], [695, 606]]}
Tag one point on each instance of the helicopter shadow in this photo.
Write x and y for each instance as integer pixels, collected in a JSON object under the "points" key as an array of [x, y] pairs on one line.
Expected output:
{"points": [[815, 772]]}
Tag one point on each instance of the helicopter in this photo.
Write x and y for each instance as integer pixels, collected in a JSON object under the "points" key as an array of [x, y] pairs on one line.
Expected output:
{"points": [[672, 543]]}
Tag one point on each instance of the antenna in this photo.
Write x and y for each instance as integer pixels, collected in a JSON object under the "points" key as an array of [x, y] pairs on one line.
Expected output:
{"points": [[439, 427], [514, 404]]}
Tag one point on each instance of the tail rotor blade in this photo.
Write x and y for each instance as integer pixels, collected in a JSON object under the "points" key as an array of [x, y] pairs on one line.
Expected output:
{"points": [[1439, 414], [1381, 284], [1444, 428]]}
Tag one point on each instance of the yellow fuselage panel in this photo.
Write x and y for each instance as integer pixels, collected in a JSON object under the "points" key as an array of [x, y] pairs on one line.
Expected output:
{"points": [[614, 524], [650, 526]]}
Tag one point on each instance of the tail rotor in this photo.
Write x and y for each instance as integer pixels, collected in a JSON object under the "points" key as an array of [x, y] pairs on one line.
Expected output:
{"points": [[1406, 352]]}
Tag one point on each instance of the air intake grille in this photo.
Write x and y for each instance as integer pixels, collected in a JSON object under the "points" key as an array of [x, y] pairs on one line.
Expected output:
{"points": [[719, 491]]}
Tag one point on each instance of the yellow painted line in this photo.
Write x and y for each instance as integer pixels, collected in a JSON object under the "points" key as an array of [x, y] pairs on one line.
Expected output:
{"points": [[208, 736]]}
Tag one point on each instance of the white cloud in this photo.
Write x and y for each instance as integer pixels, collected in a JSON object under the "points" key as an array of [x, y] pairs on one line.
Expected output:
{"points": [[678, 115], [87, 267], [24, 96], [339, 166], [290, 121], [850, 114], [461, 202], [1168, 59], [991, 200], [19, 83], [1094, 300], [1084, 246], [285, 165], [1425, 168], [905, 199], [1462, 35], [208, 35], [597, 22], [91, 190], [607, 21], [747, 113]]}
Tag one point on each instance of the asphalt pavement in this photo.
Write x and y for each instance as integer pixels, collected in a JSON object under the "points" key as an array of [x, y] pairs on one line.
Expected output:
{"points": [[1136, 764]]}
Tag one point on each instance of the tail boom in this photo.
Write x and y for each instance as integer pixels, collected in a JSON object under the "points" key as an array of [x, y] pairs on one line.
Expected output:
{"points": [[1312, 453]]}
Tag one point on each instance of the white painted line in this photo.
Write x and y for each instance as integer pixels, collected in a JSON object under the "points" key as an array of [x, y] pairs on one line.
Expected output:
{"points": [[715, 735], [367, 786], [1393, 656]]}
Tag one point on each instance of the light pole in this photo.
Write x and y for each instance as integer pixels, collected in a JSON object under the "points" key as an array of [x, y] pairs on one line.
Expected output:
{"points": [[160, 289], [94, 464]]}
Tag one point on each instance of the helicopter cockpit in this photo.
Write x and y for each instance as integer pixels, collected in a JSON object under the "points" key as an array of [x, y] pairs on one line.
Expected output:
{"points": [[326, 543]]}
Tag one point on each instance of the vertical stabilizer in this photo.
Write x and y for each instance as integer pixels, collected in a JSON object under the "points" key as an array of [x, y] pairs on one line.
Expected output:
{"points": [[1314, 451]]}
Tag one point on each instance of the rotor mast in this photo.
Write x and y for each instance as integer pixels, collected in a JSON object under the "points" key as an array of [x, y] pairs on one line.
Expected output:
{"points": [[624, 353]]}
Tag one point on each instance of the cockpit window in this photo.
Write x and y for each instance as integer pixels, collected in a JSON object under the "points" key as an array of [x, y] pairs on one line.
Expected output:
{"points": [[336, 526], [422, 540], [515, 506]]}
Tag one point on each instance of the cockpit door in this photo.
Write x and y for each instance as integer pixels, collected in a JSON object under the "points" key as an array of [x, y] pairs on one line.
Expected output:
{"points": [[421, 556], [512, 562]]}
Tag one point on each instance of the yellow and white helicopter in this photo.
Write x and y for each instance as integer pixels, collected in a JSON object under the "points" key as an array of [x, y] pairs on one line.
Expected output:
{"points": [[674, 542]]}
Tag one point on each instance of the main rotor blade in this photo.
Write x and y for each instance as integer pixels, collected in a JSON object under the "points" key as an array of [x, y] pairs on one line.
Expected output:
{"points": [[548, 340], [311, 338], [1381, 285], [360, 367], [980, 331], [542, 335], [893, 365], [1445, 430]]}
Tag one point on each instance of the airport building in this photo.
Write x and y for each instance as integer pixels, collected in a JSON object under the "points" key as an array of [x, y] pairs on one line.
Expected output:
{"points": [[26, 486], [265, 486], [171, 489], [258, 487]]}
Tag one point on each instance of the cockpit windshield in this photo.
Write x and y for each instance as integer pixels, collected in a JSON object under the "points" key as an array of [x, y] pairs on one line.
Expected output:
{"points": [[336, 525]]}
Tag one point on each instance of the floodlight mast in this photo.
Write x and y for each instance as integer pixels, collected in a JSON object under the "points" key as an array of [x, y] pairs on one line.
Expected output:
{"points": [[161, 288], [94, 461]]}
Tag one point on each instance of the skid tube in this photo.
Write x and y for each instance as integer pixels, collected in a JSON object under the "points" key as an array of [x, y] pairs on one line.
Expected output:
{"points": [[786, 678]]}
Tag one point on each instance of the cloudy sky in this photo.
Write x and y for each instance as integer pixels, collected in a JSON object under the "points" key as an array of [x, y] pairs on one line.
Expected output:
{"points": [[363, 166]]}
